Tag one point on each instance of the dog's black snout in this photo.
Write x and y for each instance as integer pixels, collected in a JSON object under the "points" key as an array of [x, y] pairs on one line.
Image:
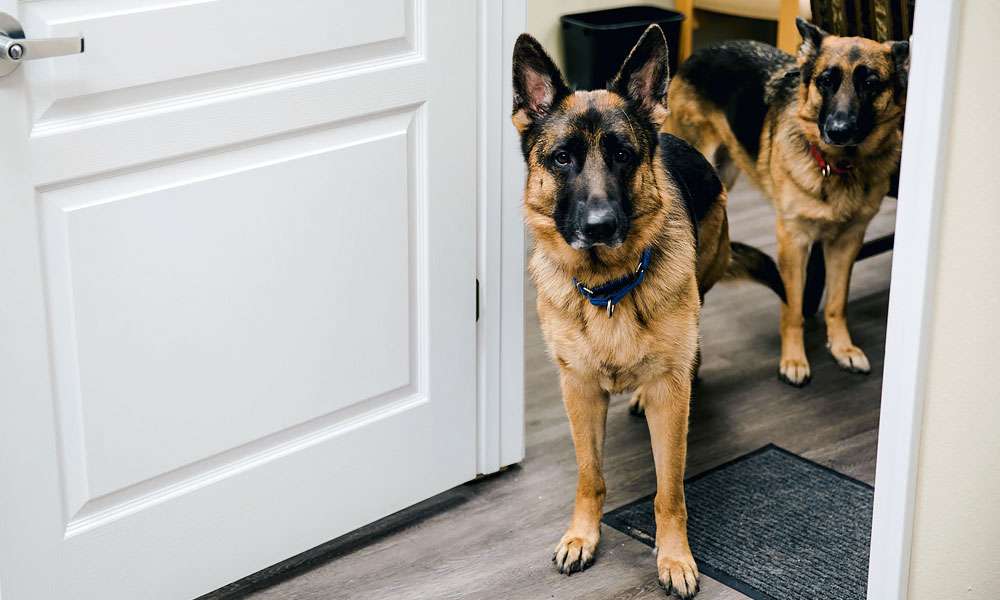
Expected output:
{"points": [[600, 221], [840, 128]]}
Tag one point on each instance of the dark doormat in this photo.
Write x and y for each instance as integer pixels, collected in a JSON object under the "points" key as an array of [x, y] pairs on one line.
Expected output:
{"points": [[772, 525]]}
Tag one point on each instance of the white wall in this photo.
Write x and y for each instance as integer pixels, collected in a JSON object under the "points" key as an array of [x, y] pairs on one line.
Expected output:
{"points": [[956, 537]]}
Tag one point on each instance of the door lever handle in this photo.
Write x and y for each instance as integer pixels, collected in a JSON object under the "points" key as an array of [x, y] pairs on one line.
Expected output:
{"points": [[15, 49], [18, 50]]}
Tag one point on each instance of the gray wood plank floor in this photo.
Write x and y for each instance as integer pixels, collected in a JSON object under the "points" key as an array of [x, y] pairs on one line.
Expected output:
{"points": [[493, 538]]}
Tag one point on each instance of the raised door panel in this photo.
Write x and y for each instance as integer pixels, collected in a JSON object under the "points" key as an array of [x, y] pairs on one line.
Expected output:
{"points": [[205, 306], [133, 44]]}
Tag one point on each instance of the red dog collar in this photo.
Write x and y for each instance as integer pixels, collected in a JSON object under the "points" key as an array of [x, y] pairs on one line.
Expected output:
{"points": [[826, 167]]}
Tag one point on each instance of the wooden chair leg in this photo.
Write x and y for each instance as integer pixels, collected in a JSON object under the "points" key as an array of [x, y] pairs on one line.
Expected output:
{"points": [[788, 34], [815, 281], [877, 246], [686, 8]]}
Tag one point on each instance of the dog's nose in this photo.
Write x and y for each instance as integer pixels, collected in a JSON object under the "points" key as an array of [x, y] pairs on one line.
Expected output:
{"points": [[839, 128], [600, 222]]}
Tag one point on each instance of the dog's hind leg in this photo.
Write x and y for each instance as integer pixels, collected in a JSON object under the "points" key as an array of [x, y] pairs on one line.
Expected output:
{"points": [[725, 166], [696, 369], [587, 408], [636, 405], [667, 402]]}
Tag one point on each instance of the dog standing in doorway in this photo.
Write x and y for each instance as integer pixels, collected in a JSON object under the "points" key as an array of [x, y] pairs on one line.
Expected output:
{"points": [[630, 232], [821, 136]]}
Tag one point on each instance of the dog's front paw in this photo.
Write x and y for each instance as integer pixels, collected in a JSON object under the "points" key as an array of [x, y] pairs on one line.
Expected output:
{"points": [[851, 358], [678, 574], [574, 553], [794, 371]]}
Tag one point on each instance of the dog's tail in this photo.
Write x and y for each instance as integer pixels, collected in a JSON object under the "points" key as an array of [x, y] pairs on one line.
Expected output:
{"points": [[747, 262]]}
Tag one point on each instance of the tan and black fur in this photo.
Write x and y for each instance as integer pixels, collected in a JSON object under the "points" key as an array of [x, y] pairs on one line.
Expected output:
{"points": [[752, 105], [603, 184]]}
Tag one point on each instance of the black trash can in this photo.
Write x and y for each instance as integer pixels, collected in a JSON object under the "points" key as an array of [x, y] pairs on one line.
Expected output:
{"points": [[596, 43]]}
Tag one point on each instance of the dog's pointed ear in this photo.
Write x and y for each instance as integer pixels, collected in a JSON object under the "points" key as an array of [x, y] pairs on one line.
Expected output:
{"points": [[538, 84], [900, 52], [812, 38], [645, 74]]}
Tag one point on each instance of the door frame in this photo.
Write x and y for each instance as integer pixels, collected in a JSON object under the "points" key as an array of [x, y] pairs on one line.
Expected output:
{"points": [[908, 333], [500, 281], [925, 153]]}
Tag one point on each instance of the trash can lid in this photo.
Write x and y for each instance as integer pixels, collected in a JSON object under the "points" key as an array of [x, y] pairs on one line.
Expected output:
{"points": [[621, 18]]}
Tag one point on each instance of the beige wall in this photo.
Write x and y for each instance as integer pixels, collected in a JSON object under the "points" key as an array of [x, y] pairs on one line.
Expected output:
{"points": [[956, 542], [543, 18]]}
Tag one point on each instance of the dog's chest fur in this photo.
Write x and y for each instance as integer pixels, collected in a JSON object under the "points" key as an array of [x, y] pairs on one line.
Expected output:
{"points": [[825, 206], [645, 338], [617, 350], [828, 204]]}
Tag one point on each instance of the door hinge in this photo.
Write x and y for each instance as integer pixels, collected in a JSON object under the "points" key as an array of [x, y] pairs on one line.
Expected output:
{"points": [[477, 299]]}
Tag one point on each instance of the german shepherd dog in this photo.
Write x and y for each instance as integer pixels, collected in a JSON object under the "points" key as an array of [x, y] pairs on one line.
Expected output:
{"points": [[821, 136], [630, 232]]}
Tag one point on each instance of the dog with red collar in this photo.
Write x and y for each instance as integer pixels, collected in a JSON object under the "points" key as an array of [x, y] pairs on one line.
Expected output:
{"points": [[820, 134]]}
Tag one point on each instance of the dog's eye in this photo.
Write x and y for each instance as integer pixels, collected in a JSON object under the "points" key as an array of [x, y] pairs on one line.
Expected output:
{"points": [[872, 83], [622, 156], [828, 80], [562, 158]]}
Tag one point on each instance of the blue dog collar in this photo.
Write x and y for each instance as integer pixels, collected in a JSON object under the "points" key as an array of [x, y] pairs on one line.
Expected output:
{"points": [[609, 294]]}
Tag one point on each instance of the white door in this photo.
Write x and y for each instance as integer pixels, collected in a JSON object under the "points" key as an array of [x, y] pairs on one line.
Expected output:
{"points": [[237, 262]]}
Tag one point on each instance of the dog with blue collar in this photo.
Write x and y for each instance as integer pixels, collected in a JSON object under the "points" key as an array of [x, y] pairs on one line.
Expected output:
{"points": [[630, 232]]}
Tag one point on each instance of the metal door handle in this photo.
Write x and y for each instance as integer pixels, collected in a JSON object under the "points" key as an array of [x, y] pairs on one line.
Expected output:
{"points": [[15, 49]]}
